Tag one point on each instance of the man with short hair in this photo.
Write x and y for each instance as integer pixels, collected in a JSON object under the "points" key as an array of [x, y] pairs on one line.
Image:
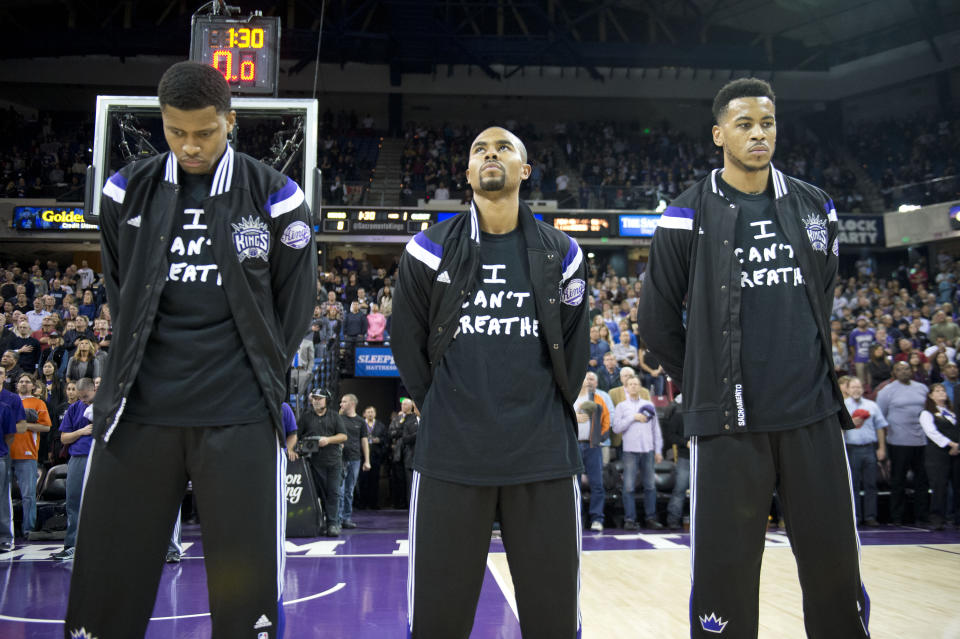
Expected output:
{"points": [[951, 379], [35, 316], [26, 447], [26, 347], [9, 363], [85, 273], [598, 348], [209, 263], [943, 327], [736, 305], [866, 445], [356, 451], [76, 432], [636, 420], [608, 375], [901, 402], [492, 344], [327, 428]]}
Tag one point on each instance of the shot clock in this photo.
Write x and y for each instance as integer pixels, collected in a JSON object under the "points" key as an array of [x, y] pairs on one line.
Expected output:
{"points": [[245, 50]]}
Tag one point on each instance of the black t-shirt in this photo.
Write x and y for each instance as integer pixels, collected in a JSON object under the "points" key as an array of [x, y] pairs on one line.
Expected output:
{"points": [[195, 371], [786, 379], [326, 425], [356, 428], [493, 414]]}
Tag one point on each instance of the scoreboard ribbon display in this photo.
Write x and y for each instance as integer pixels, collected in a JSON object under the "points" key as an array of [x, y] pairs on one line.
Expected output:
{"points": [[50, 218]]}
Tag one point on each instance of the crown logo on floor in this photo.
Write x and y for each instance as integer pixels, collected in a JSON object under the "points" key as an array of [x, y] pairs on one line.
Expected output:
{"points": [[81, 634], [713, 623]]}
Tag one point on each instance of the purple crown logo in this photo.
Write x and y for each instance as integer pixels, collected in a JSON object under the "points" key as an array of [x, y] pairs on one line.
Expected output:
{"points": [[713, 623]]}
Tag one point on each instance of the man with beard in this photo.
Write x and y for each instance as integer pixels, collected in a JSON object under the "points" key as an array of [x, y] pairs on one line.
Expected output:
{"points": [[490, 337], [750, 255]]}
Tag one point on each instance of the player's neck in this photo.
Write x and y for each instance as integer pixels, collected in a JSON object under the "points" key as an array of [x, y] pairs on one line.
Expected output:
{"points": [[752, 182], [498, 215]]}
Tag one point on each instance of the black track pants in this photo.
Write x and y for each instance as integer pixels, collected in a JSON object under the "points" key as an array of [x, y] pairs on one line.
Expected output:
{"points": [[450, 527], [133, 491], [733, 478]]}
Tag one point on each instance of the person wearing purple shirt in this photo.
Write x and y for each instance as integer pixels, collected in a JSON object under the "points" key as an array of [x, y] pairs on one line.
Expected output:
{"points": [[12, 401], [8, 428], [636, 419], [289, 429], [860, 340], [76, 432]]}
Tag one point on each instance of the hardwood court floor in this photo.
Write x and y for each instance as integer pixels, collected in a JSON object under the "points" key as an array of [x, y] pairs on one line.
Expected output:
{"points": [[914, 592], [635, 585]]}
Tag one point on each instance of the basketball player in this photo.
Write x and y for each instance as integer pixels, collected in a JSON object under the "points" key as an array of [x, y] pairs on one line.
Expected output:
{"points": [[490, 337], [755, 254], [210, 270]]}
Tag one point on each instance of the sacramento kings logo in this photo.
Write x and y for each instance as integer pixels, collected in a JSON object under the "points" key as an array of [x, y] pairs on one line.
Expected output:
{"points": [[817, 232], [251, 238]]}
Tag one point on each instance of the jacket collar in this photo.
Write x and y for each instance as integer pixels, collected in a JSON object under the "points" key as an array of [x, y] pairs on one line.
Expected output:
{"points": [[222, 177], [777, 177], [525, 220]]}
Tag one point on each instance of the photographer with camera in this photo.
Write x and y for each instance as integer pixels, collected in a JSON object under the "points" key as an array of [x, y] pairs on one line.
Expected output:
{"points": [[323, 433]]}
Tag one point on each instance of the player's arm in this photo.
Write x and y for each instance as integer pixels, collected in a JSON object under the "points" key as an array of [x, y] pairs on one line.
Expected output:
{"points": [[832, 264], [114, 191], [293, 265], [411, 326], [660, 308], [574, 317]]}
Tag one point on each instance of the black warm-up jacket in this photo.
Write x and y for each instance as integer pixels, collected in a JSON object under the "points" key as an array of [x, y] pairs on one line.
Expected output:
{"points": [[271, 299], [692, 259]]}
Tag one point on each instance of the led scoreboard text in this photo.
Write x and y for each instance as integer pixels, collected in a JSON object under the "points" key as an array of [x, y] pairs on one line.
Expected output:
{"points": [[244, 50]]}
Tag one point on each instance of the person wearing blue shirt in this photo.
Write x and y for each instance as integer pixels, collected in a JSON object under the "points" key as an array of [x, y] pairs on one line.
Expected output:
{"points": [[76, 432], [8, 428], [598, 348], [866, 445]]}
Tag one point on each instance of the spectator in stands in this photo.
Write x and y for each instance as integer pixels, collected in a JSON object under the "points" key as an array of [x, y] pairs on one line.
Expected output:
{"points": [[653, 375], [331, 302], [593, 418], [376, 324], [81, 330], [327, 428], [363, 302], [920, 367], [12, 370], [902, 402], [25, 449], [356, 454], [84, 361], [88, 305], [102, 334], [860, 340], [866, 445], [42, 335], [301, 372], [598, 348], [608, 376], [37, 314], [942, 454], [56, 354], [54, 391], [76, 432], [26, 346], [86, 275], [678, 449], [58, 293], [879, 367], [943, 327], [625, 353], [368, 485], [951, 378], [636, 420]]}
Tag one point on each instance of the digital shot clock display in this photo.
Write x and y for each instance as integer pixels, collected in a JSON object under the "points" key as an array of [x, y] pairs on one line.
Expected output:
{"points": [[245, 50]]}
